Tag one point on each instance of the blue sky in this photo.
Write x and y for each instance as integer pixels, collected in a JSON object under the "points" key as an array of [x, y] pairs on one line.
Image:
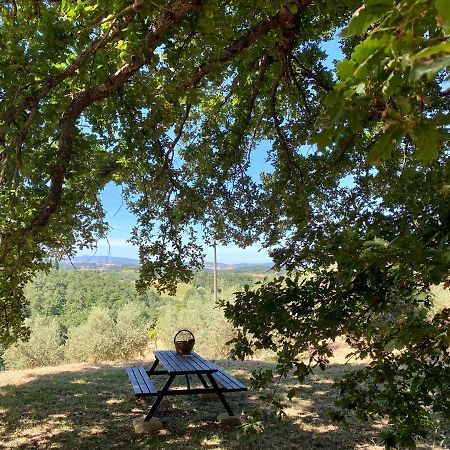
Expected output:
{"points": [[121, 221]]}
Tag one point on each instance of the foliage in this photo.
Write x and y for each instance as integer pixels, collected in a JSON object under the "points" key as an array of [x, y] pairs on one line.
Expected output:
{"points": [[376, 243], [94, 340], [389, 85], [130, 320], [131, 331], [70, 295], [101, 338], [44, 348], [198, 313], [174, 99], [225, 280]]}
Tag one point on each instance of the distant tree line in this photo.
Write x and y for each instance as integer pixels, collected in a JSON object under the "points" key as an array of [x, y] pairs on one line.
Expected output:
{"points": [[90, 315], [71, 295]]}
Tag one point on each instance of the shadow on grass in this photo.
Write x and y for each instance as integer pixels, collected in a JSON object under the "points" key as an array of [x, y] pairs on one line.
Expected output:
{"points": [[94, 409]]}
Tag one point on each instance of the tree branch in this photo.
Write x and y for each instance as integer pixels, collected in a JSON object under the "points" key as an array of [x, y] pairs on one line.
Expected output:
{"points": [[305, 71], [264, 63], [300, 90], [237, 47], [166, 21], [281, 138], [163, 24], [180, 129], [125, 17]]}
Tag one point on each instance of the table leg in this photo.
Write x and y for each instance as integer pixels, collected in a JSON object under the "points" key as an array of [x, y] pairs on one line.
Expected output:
{"points": [[161, 394], [202, 380], [154, 365], [220, 394]]}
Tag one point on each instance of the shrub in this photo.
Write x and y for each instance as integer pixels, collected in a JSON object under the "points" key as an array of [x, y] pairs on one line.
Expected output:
{"points": [[94, 340], [44, 348], [197, 313], [101, 338], [132, 327]]}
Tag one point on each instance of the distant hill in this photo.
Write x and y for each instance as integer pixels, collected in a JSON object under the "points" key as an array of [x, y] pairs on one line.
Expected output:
{"points": [[96, 262], [241, 267], [99, 261]]}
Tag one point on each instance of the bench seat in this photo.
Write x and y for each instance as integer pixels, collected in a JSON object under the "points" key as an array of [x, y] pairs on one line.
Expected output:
{"points": [[142, 385], [229, 383]]}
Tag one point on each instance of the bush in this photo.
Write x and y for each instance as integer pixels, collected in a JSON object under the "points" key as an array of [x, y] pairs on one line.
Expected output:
{"points": [[44, 348], [197, 313], [94, 340], [133, 323], [101, 338]]}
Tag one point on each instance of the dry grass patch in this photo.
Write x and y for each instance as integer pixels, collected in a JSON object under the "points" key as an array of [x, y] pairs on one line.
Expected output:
{"points": [[89, 407]]}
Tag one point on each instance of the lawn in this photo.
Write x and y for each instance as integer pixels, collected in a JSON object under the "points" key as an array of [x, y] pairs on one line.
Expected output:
{"points": [[90, 407]]}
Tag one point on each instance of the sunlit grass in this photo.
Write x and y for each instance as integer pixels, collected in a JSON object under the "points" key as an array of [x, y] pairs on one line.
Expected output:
{"points": [[182, 289], [80, 406]]}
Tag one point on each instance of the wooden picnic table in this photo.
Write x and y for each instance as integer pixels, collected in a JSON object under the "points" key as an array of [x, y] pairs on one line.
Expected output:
{"points": [[220, 381]]}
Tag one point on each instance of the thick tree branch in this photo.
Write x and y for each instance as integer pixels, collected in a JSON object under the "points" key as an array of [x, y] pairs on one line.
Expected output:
{"points": [[167, 20], [238, 46], [283, 19], [118, 24], [163, 24]]}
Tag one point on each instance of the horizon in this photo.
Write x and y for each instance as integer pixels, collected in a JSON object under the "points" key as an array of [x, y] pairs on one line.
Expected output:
{"points": [[87, 257]]}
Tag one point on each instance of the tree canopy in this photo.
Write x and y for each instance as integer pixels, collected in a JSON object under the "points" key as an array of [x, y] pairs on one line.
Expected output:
{"points": [[171, 99]]}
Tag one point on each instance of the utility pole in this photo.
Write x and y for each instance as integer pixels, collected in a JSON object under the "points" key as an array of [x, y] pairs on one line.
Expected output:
{"points": [[215, 270]]}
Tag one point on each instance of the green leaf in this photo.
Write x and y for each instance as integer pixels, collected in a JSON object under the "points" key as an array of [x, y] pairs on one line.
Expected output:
{"points": [[443, 7], [427, 140], [367, 56], [345, 69], [403, 104], [382, 149], [365, 16], [323, 139], [65, 5], [443, 47], [293, 8], [392, 83], [366, 49], [429, 68], [360, 88]]}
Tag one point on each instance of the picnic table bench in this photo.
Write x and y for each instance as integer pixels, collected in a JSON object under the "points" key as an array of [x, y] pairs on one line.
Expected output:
{"points": [[220, 381]]}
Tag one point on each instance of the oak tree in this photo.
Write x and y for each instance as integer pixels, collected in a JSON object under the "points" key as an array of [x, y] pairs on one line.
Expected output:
{"points": [[171, 99]]}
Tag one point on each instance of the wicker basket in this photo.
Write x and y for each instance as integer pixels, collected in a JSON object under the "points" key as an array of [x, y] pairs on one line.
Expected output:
{"points": [[184, 346]]}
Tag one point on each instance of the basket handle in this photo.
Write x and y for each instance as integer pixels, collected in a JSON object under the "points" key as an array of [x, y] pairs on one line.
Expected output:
{"points": [[190, 332]]}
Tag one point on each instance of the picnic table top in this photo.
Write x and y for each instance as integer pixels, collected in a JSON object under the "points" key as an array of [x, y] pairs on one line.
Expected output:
{"points": [[184, 364]]}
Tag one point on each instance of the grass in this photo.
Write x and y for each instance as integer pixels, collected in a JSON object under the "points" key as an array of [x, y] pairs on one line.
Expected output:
{"points": [[182, 289], [90, 407]]}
